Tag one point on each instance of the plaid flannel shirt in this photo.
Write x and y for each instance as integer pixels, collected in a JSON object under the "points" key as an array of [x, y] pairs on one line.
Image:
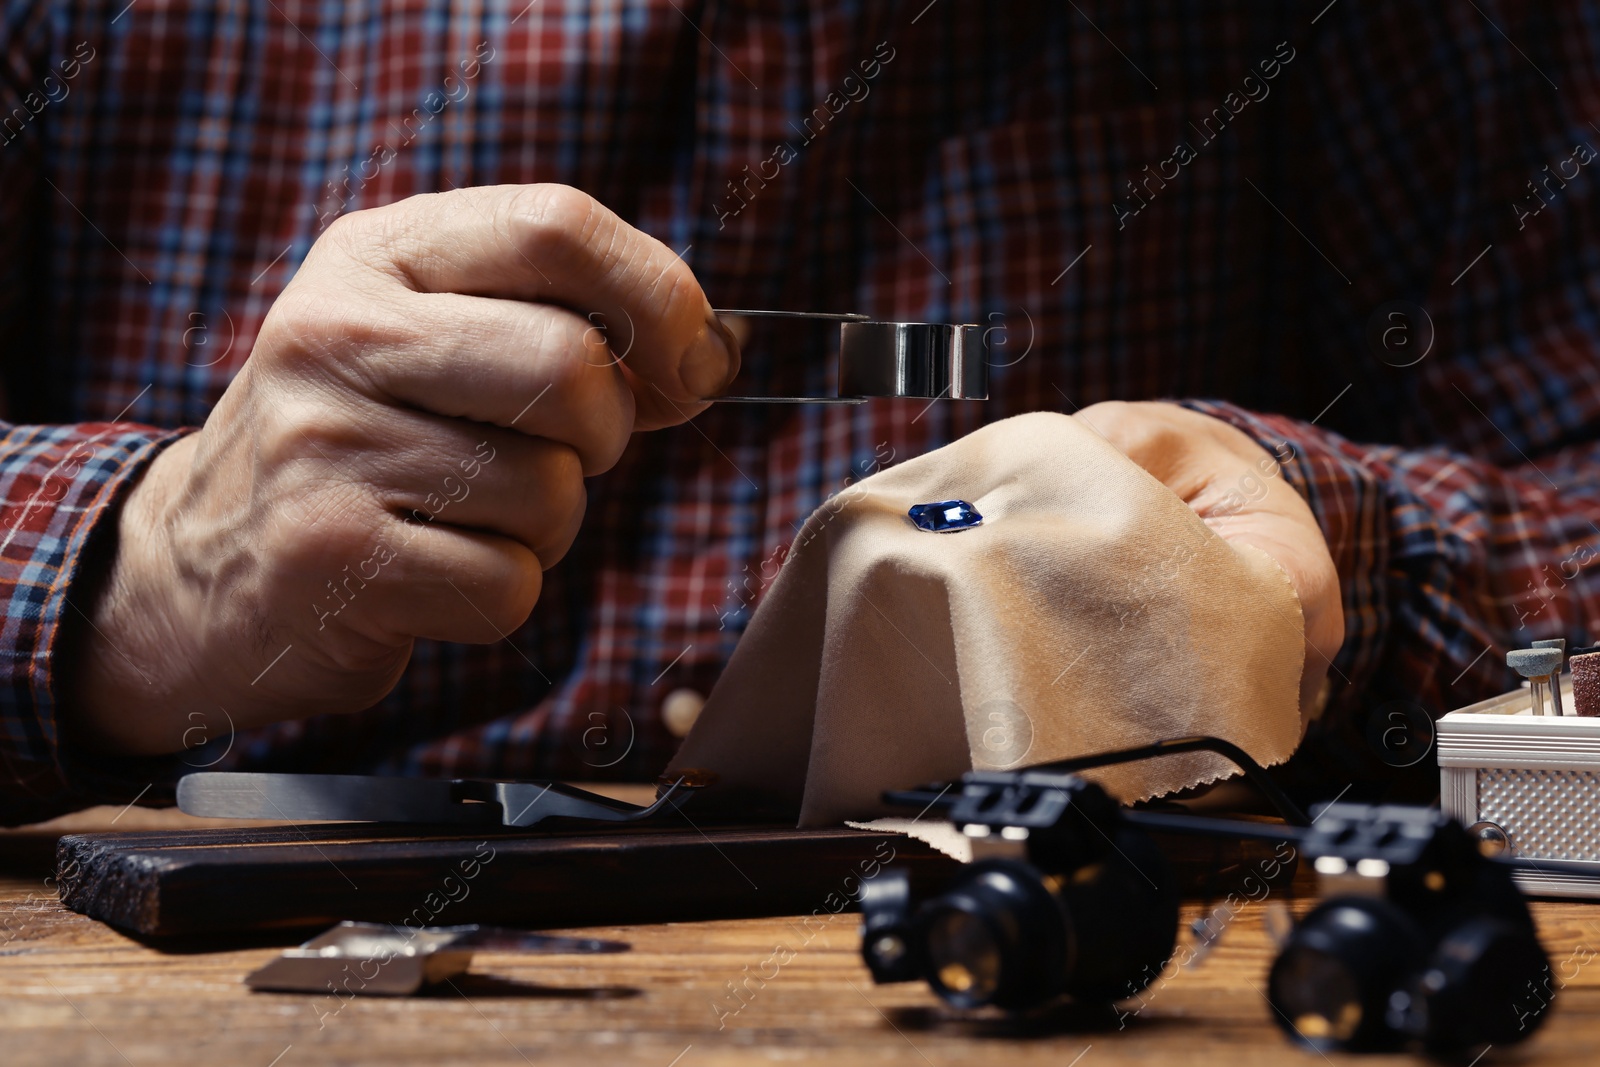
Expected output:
{"points": [[1356, 231]]}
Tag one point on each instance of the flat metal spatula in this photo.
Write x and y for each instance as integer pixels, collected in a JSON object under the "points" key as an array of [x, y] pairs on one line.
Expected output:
{"points": [[367, 798]]}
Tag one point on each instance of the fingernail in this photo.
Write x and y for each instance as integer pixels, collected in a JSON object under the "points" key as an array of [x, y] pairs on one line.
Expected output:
{"points": [[712, 360]]}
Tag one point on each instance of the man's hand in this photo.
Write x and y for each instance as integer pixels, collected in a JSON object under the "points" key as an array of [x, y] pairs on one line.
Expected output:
{"points": [[1235, 486], [402, 457]]}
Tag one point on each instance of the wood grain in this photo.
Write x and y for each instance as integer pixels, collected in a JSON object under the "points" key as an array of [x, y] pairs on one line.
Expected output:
{"points": [[77, 992], [178, 883]]}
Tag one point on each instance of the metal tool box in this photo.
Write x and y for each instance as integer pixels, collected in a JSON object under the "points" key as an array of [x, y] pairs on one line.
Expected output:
{"points": [[1531, 782]]}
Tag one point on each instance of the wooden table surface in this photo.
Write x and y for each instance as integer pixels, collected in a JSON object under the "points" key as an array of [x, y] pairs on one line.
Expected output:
{"points": [[75, 992]]}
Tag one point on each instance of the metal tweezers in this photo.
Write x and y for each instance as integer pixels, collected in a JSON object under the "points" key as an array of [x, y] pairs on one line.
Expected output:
{"points": [[365, 798], [923, 360]]}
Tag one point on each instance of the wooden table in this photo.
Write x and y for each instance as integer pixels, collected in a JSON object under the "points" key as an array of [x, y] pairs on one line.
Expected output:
{"points": [[75, 992]]}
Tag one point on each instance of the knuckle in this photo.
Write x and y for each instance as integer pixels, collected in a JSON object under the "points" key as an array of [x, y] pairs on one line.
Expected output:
{"points": [[300, 325], [366, 327], [1135, 429], [359, 231], [344, 233], [551, 220], [561, 539], [612, 434], [348, 227], [511, 598], [1108, 414], [556, 503], [563, 483], [322, 330], [291, 428], [319, 532], [578, 366], [297, 454], [365, 236], [369, 667], [678, 291], [397, 242], [570, 341]]}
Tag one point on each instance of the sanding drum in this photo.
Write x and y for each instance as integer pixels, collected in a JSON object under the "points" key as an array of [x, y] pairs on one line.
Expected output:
{"points": [[1586, 684]]}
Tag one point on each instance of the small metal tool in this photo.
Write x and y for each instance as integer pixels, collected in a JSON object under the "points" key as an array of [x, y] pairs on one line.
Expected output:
{"points": [[1560, 645], [365, 798], [1542, 668], [383, 960], [920, 360]]}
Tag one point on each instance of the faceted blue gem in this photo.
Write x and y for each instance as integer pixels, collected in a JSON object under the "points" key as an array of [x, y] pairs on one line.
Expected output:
{"points": [[945, 516]]}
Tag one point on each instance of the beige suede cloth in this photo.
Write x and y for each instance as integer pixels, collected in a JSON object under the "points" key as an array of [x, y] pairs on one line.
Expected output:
{"points": [[1092, 610]]}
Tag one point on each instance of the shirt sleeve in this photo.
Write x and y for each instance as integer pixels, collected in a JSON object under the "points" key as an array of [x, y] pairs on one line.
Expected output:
{"points": [[1445, 561], [60, 488]]}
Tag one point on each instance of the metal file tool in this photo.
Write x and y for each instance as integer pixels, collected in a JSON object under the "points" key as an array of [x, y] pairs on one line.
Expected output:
{"points": [[386, 960], [364, 798], [920, 360]]}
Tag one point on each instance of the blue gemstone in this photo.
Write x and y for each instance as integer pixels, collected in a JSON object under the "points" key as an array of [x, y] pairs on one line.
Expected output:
{"points": [[945, 516]]}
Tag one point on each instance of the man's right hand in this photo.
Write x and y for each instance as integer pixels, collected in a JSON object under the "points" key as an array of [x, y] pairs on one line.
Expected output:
{"points": [[401, 457]]}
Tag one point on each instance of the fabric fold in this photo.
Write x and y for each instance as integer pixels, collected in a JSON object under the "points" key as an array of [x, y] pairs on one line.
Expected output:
{"points": [[1091, 610]]}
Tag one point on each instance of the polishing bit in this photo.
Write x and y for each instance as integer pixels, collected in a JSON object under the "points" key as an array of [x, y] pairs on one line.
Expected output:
{"points": [[1542, 668]]}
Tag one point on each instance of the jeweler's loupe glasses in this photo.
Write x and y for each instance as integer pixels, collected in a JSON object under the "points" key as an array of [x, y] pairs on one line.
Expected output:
{"points": [[1419, 938], [918, 360]]}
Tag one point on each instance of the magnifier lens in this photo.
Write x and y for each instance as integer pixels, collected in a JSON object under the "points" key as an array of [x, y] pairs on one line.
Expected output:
{"points": [[1331, 984], [995, 938], [1320, 996], [964, 958]]}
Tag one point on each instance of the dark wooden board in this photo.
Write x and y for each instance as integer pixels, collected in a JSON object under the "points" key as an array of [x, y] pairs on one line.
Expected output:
{"points": [[175, 883], [172, 883]]}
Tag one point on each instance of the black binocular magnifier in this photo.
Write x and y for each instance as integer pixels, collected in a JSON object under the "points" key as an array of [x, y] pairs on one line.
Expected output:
{"points": [[1419, 939]]}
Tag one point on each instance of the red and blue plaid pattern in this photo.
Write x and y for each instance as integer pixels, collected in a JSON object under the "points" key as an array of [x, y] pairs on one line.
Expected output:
{"points": [[1156, 199]]}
